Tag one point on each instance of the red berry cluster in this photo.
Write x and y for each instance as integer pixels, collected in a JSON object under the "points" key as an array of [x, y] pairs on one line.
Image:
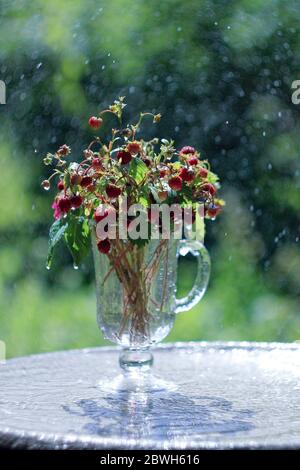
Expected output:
{"points": [[147, 171]]}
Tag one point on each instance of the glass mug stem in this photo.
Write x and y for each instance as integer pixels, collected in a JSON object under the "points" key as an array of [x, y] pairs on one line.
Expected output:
{"points": [[131, 360]]}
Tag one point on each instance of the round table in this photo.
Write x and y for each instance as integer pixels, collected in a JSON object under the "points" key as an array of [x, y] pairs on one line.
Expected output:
{"points": [[198, 396]]}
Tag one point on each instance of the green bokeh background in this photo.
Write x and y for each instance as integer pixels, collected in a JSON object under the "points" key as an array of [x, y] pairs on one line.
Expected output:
{"points": [[220, 72]]}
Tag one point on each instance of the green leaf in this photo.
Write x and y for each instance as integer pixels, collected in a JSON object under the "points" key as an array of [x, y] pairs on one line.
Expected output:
{"points": [[144, 196], [138, 169], [212, 177], [56, 233], [176, 165], [77, 238], [144, 201], [67, 179]]}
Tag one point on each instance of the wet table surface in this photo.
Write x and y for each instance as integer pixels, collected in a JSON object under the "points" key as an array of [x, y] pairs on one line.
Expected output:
{"points": [[198, 396]]}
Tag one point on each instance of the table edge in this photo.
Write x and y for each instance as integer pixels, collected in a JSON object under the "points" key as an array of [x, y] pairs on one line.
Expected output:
{"points": [[179, 345]]}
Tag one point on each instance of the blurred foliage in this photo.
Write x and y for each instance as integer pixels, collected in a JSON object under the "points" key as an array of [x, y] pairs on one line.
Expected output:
{"points": [[220, 73]]}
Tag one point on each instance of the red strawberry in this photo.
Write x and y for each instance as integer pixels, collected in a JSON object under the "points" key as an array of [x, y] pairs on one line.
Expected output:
{"points": [[163, 195], [76, 201], [186, 175], [203, 172], [187, 150], [86, 181], [134, 147], [193, 161], [103, 246], [213, 211], [163, 172], [209, 188], [113, 191], [95, 122], [175, 183], [124, 157], [96, 164], [45, 184], [60, 185], [91, 188], [64, 204], [147, 161], [75, 179]]}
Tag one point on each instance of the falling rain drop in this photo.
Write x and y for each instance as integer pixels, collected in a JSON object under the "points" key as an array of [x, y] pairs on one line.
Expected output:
{"points": [[75, 266]]}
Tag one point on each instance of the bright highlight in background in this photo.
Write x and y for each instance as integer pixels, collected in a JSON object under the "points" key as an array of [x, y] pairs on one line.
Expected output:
{"points": [[2, 351]]}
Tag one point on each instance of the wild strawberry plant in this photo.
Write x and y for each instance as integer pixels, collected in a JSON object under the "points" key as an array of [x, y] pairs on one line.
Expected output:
{"points": [[145, 172]]}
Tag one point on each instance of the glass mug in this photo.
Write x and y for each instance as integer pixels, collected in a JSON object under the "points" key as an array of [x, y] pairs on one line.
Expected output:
{"points": [[136, 295]]}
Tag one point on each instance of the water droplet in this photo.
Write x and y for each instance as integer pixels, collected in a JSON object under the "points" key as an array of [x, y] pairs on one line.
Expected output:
{"points": [[39, 65], [48, 267], [75, 266]]}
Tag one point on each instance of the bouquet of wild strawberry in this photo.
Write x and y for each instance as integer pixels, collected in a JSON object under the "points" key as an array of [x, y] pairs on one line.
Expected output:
{"points": [[144, 172]]}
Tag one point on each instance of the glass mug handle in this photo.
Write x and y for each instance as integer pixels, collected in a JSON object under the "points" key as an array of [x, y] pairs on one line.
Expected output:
{"points": [[198, 250]]}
